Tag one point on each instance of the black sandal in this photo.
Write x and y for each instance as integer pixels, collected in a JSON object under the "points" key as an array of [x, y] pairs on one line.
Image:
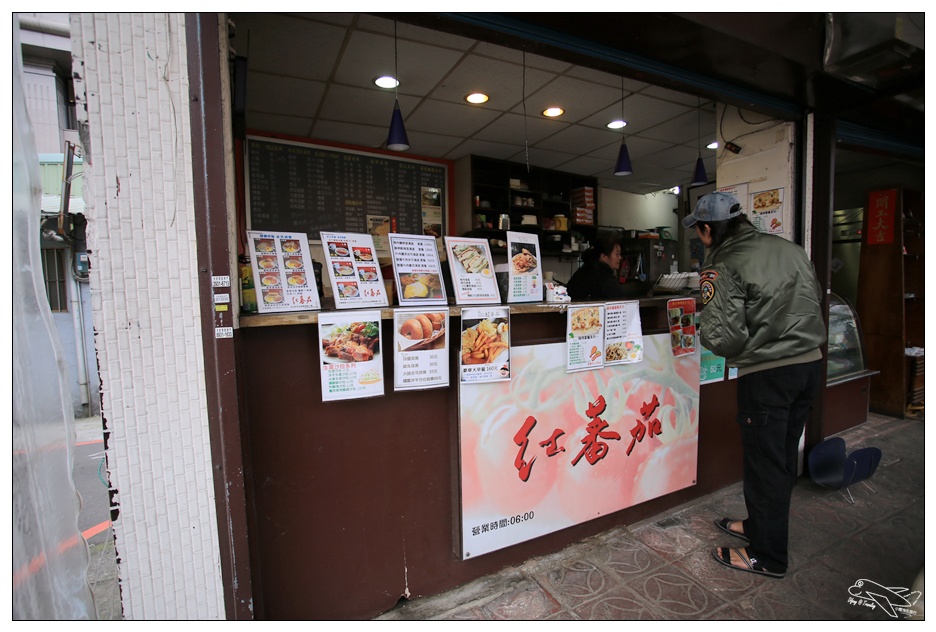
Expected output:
{"points": [[724, 523], [722, 555]]}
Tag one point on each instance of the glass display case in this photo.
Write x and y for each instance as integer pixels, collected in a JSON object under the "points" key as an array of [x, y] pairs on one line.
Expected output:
{"points": [[845, 351]]}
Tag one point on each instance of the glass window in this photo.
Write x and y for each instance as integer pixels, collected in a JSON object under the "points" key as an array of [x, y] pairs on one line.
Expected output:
{"points": [[53, 271]]}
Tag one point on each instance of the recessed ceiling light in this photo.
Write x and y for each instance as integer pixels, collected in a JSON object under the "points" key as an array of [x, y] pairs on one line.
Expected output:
{"points": [[386, 82], [712, 145], [617, 124], [477, 97], [551, 112]]}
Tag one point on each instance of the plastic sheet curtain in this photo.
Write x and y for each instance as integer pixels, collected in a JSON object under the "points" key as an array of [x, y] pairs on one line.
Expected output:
{"points": [[50, 558]]}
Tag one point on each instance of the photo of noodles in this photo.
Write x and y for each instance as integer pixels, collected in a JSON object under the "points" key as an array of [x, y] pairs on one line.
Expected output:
{"points": [[585, 321]]}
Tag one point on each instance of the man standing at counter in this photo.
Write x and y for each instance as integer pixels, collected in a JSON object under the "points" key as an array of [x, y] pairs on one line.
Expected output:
{"points": [[761, 311]]}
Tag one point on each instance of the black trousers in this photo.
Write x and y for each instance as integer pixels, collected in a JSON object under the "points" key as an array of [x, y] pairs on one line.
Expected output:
{"points": [[773, 406]]}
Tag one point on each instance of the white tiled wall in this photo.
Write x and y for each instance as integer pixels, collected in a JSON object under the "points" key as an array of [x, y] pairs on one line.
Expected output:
{"points": [[132, 91]]}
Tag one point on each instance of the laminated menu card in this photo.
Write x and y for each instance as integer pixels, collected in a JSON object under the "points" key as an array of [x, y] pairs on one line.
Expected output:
{"points": [[524, 272], [417, 269], [472, 270], [585, 337], [282, 271], [350, 348], [681, 317], [356, 280], [485, 344], [623, 336], [420, 348]]}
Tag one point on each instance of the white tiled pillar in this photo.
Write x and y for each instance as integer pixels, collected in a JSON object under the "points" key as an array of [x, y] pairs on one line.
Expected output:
{"points": [[132, 101]]}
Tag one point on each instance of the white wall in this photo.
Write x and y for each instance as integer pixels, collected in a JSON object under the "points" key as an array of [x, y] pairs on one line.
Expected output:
{"points": [[638, 212], [132, 90]]}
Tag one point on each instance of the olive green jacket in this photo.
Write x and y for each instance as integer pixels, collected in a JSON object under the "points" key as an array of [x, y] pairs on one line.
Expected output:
{"points": [[761, 302]]}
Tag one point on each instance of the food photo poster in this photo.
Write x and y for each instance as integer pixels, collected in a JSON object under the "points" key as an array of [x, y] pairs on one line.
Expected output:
{"points": [[585, 337], [485, 345], [472, 270], [524, 272], [350, 352], [623, 335], [417, 270], [282, 270], [356, 280], [682, 325], [420, 353]]}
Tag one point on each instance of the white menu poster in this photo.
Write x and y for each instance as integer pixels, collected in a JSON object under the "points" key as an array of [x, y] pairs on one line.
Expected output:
{"points": [[420, 352], [472, 270], [349, 347], [524, 273], [485, 345], [585, 337], [282, 270], [417, 270], [766, 211], [623, 335], [355, 275]]}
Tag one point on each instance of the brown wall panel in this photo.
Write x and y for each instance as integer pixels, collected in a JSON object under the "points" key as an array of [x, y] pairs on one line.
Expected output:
{"points": [[354, 503]]}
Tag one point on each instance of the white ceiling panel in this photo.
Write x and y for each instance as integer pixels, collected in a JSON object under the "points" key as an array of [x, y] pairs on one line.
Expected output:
{"points": [[311, 75]]}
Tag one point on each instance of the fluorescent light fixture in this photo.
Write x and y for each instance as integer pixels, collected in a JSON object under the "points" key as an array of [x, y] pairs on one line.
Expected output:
{"points": [[477, 97], [386, 82], [617, 124], [553, 112]]}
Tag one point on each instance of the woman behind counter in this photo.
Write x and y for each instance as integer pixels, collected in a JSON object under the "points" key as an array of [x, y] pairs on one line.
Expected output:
{"points": [[595, 280]]}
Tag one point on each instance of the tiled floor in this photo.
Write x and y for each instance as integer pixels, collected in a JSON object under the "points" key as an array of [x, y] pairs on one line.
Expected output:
{"points": [[662, 569]]}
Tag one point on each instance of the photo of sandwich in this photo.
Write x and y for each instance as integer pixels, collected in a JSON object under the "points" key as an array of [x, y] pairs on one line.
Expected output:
{"points": [[472, 259]]}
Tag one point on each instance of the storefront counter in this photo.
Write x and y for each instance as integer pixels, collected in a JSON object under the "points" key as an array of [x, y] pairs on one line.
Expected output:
{"points": [[356, 504]]}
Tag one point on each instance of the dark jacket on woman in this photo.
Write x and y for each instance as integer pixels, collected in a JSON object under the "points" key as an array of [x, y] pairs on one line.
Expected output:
{"points": [[595, 281]]}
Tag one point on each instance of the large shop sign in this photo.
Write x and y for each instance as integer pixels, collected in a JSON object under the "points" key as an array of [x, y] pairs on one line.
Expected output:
{"points": [[550, 449]]}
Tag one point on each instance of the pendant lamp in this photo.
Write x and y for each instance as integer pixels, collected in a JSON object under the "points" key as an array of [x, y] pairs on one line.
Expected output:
{"points": [[699, 177], [623, 165], [396, 139]]}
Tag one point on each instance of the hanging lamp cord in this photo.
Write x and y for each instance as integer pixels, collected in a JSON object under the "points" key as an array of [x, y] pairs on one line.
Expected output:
{"points": [[526, 141]]}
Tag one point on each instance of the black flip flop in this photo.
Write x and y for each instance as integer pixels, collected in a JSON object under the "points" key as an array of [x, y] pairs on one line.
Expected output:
{"points": [[723, 525], [722, 555]]}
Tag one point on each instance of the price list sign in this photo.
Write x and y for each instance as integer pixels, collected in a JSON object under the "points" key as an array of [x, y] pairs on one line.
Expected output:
{"points": [[417, 270], [420, 357], [282, 270], [623, 336], [472, 270], [310, 188], [350, 348], [485, 345], [524, 274], [585, 337], [355, 275]]}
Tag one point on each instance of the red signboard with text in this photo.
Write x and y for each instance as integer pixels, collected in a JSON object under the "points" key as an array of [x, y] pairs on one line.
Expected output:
{"points": [[550, 449], [882, 209]]}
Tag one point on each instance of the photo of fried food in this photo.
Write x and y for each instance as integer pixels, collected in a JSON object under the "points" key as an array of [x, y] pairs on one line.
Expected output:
{"points": [[585, 321], [523, 262], [767, 200], [482, 343]]}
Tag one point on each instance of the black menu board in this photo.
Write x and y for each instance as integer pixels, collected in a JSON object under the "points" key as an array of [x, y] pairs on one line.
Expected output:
{"points": [[300, 187]]}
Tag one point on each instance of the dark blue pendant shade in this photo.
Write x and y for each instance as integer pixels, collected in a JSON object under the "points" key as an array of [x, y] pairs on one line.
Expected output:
{"points": [[699, 178], [623, 166], [397, 140]]}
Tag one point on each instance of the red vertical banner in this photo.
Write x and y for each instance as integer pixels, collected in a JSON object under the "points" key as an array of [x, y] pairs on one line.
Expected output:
{"points": [[882, 207]]}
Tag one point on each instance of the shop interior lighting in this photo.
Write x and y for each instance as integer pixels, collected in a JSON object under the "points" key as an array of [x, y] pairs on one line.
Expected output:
{"points": [[386, 82], [623, 165], [396, 139], [617, 124], [553, 112], [712, 145], [477, 98]]}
